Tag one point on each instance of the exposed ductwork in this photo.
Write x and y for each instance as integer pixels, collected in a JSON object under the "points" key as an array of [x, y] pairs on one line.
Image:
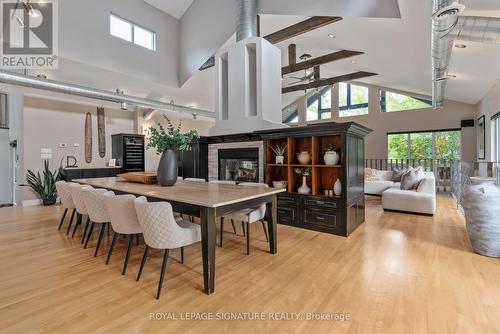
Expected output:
{"points": [[448, 26], [123, 100], [246, 19]]}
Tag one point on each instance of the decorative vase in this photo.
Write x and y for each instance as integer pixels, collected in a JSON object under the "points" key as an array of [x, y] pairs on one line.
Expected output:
{"points": [[49, 201], [304, 157], [337, 188], [168, 168], [331, 158], [304, 189], [280, 159]]}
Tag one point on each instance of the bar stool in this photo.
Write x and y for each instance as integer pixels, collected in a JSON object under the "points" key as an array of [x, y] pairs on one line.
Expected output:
{"points": [[93, 199], [161, 231], [81, 210], [121, 212], [62, 188], [251, 215]]}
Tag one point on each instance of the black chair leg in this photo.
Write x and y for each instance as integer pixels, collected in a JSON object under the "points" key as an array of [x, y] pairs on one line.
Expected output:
{"points": [[143, 262], [62, 219], [86, 229], [101, 234], [265, 230], [248, 238], [78, 223], [89, 234], [234, 227], [71, 222], [111, 247], [243, 227], [162, 274], [221, 230], [182, 255], [137, 239], [129, 249]]}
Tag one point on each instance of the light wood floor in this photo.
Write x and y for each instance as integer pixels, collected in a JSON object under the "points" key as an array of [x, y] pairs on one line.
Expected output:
{"points": [[397, 273]]}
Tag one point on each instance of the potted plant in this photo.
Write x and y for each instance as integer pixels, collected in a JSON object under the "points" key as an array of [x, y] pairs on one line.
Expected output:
{"points": [[331, 156], [280, 154], [168, 142], [44, 185], [305, 172]]}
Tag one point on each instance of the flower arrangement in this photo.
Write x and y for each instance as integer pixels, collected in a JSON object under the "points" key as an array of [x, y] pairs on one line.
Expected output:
{"points": [[170, 138], [303, 171]]}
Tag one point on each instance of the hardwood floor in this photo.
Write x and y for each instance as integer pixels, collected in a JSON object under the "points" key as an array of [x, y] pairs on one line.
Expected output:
{"points": [[397, 273]]}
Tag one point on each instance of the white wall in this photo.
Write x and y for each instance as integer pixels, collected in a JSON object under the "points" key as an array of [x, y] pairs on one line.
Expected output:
{"points": [[414, 120], [84, 37], [489, 106]]}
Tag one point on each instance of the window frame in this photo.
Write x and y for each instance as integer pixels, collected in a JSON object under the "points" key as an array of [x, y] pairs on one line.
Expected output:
{"points": [[495, 119], [317, 96], [383, 101], [350, 106], [133, 25]]}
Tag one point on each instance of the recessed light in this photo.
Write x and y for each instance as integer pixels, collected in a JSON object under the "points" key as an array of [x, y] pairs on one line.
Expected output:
{"points": [[460, 46], [331, 35]]}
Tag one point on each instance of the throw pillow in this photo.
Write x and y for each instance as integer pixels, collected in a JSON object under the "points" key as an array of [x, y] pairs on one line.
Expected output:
{"points": [[371, 174], [397, 173], [412, 178]]}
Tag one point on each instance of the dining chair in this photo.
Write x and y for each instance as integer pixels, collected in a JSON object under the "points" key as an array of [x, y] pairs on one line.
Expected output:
{"points": [[63, 191], [94, 203], [161, 231], [250, 215], [121, 212], [222, 218], [81, 209]]}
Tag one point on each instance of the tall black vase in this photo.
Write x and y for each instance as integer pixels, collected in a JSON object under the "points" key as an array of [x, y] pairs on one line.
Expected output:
{"points": [[168, 168]]}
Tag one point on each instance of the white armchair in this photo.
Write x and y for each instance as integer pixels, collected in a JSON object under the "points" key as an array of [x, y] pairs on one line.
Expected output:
{"points": [[93, 199], [62, 188]]}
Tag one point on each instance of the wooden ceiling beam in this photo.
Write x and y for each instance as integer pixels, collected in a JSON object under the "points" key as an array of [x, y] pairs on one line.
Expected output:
{"points": [[319, 61], [302, 27], [328, 82], [292, 54]]}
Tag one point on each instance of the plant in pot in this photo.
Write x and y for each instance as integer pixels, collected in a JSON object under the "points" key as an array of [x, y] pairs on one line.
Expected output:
{"points": [[331, 156], [44, 185], [305, 172], [168, 142], [280, 154]]}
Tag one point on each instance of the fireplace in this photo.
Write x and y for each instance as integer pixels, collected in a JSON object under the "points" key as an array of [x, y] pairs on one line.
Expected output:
{"points": [[239, 164]]}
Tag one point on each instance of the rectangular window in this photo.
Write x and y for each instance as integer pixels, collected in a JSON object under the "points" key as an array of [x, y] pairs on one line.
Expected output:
{"points": [[496, 138], [444, 145], [131, 32], [353, 100], [291, 114], [391, 102]]}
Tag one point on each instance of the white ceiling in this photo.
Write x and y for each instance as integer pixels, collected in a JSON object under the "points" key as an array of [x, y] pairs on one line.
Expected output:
{"points": [[175, 8]]}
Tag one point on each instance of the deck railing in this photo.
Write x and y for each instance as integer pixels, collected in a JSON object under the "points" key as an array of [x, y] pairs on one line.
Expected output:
{"points": [[442, 168]]}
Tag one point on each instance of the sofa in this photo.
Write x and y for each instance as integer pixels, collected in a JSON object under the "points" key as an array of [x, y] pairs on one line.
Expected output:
{"points": [[421, 200]]}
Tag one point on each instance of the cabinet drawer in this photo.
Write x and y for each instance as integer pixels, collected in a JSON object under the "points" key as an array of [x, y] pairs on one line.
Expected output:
{"points": [[320, 218], [324, 203], [286, 198], [286, 215]]}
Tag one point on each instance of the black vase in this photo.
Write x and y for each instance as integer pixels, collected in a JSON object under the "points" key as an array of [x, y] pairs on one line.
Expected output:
{"points": [[168, 168], [49, 201]]}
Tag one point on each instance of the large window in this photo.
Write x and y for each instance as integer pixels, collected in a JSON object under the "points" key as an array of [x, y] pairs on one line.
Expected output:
{"points": [[496, 128], [318, 107], [353, 100], [390, 102], [131, 32], [425, 145]]}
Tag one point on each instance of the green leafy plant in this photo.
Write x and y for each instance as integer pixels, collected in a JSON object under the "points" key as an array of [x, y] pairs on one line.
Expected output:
{"points": [[279, 150], [162, 139], [44, 185], [330, 149], [303, 171]]}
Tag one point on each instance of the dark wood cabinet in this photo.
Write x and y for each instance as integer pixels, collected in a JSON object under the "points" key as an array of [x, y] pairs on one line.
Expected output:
{"points": [[194, 162], [129, 151], [70, 174]]}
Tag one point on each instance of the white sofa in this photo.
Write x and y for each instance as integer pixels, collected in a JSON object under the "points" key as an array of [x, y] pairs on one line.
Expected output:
{"points": [[421, 200]]}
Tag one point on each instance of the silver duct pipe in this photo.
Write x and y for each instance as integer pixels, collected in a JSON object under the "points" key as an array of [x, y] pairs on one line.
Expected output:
{"points": [[246, 19], [477, 29], [65, 88]]}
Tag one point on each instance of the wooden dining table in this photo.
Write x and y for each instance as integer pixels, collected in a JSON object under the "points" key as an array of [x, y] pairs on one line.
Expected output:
{"points": [[206, 201]]}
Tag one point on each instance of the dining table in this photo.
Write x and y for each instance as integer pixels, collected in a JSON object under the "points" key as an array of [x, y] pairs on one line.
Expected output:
{"points": [[204, 200]]}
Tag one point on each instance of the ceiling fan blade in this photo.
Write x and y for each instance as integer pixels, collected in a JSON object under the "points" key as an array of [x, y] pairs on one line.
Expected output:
{"points": [[297, 78]]}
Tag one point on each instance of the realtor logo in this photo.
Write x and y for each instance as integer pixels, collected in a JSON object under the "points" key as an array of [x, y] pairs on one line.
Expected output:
{"points": [[29, 34]]}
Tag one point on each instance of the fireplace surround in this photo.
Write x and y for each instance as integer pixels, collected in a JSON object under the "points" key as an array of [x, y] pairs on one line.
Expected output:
{"points": [[239, 164]]}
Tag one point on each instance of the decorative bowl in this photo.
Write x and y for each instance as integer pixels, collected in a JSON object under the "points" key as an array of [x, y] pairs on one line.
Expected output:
{"points": [[280, 184]]}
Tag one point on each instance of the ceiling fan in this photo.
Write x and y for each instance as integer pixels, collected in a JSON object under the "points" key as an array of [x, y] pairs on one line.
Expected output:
{"points": [[309, 74]]}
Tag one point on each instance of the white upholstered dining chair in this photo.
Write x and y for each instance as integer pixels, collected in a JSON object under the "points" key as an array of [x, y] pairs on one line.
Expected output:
{"points": [[162, 231], [64, 193], [223, 218], [81, 209], [123, 217], [250, 215], [94, 203]]}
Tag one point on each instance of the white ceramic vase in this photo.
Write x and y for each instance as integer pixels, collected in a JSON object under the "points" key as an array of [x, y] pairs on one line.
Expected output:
{"points": [[280, 159], [304, 157], [331, 158], [337, 188], [304, 189]]}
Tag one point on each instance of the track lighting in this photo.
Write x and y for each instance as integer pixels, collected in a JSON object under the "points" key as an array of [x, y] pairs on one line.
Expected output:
{"points": [[123, 105]]}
